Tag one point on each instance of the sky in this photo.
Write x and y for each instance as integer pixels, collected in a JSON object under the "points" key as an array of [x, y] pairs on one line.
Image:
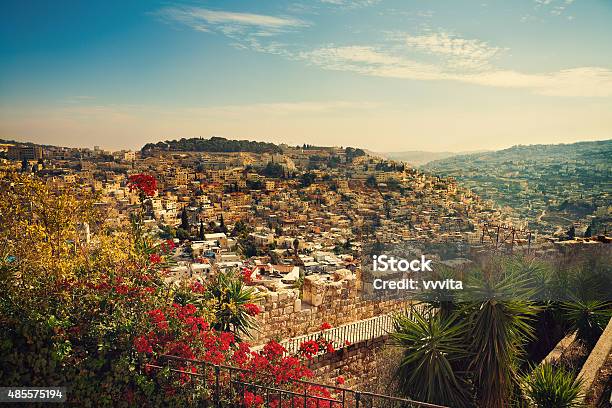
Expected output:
{"points": [[386, 75]]}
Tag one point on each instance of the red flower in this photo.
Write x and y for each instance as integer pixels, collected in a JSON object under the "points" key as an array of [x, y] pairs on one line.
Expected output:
{"points": [[197, 287], [121, 289], [184, 311], [246, 276], [252, 309], [339, 380], [330, 348], [273, 350], [325, 326], [309, 348], [158, 319], [143, 183], [154, 258], [347, 343], [142, 345], [252, 400]]}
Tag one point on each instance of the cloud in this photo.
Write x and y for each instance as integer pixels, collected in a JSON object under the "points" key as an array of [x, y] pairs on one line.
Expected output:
{"points": [[372, 61], [230, 23], [556, 7], [457, 51], [351, 3], [427, 56]]}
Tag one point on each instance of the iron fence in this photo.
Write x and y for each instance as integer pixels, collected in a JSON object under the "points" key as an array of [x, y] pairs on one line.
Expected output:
{"points": [[227, 386]]}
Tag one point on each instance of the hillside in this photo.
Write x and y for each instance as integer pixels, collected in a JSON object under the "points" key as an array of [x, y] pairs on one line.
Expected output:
{"points": [[420, 158], [551, 186]]}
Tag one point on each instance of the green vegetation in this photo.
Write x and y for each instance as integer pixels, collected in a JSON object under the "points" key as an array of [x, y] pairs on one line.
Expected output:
{"points": [[433, 352], [550, 387], [214, 144], [478, 348]]}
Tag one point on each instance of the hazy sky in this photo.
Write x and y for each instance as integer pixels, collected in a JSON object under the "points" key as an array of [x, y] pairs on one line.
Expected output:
{"points": [[388, 75]]}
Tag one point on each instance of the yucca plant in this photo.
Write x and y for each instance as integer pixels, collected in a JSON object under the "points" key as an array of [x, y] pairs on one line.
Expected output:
{"points": [[433, 348], [227, 295], [550, 387], [587, 318], [498, 310]]}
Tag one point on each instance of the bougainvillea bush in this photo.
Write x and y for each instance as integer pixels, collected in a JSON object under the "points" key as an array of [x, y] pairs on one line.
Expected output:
{"points": [[98, 317]]}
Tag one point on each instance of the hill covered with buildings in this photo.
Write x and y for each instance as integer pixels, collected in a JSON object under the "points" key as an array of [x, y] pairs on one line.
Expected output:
{"points": [[551, 186]]}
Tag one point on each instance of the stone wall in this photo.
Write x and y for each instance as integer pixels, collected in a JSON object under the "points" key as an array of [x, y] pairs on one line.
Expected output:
{"points": [[285, 315], [591, 373], [359, 364]]}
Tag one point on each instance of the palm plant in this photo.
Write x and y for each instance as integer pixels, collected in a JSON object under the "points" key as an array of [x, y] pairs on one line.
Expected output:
{"points": [[433, 350], [550, 387], [227, 295], [588, 318], [499, 311]]}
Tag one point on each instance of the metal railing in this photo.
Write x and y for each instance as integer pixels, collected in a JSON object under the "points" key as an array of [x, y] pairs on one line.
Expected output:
{"points": [[347, 334], [229, 386]]}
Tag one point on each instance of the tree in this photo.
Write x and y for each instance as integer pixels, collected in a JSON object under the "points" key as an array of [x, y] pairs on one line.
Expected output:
{"points": [[588, 233], [296, 246], [571, 232], [307, 179], [185, 220], [371, 182]]}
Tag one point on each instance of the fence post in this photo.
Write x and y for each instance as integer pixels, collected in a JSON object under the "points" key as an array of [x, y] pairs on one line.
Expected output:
{"points": [[217, 387], [357, 398]]}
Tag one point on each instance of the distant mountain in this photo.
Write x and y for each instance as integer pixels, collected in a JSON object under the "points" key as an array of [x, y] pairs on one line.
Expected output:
{"points": [[214, 144], [551, 186], [419, 158]]}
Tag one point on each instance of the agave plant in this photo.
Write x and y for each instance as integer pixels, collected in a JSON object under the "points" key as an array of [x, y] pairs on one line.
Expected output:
{"points": [[433, 350], [499, 312], [587, 318], [550, 387]]}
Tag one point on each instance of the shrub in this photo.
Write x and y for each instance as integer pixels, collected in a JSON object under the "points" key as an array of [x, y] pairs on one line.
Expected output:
{"points": [[550, 387]]}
